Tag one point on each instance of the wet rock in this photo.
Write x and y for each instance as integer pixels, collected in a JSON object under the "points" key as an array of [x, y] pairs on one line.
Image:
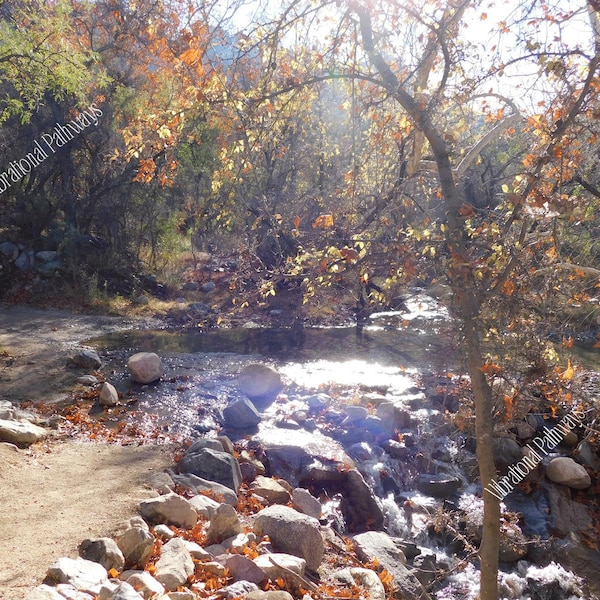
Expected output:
{"points": [[291, 532], [269, 489], [224, 523], [87, 359], [103, 551], [376, 544], [213, 465], [87, 380], [438, 485], [304, 502], [145, 367], [275, 564], [566, 471], [566, 516], [108, 395], [204, 506], [175, 565], [146, 585], [586, 455], [199, 485], [83, 575], [243, 569], [506, 453], [170, 508], [359, 505], [425, 568], [396, 449], [364, 578], [136, 545], [21, 433], [241, 414], [260, 383]]}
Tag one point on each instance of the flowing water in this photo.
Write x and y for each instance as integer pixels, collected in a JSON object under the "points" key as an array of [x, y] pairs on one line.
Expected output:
{"points": [[384, 360]]}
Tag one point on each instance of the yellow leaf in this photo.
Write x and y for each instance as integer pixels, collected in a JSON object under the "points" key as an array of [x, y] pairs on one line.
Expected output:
{"points": [[505, 188], [569, 372]]}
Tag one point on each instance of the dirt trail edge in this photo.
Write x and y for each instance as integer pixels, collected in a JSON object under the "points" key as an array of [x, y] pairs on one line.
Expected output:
{"points": [[56, 494]]}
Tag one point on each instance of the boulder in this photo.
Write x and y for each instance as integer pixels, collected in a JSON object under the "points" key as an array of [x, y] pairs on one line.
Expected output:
{"points": [[359, 505], [379, 545], [119, 591], [242, 568], [21, 433], [175, 564], [145, 585], [291, 532], [269, 489], [224, 524], [241, 414], [204, 506], [82, 574], [136, 545], [170, 508], [259, 382], [108, 395], [213, 465], [199, 485], [364, 578], [87, 359], [275, 564], [566, 471], [304, 502], [145, 367], [103, 551], [44, 592]]}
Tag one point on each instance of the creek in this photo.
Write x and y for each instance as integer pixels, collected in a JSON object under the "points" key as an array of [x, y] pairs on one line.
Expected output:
{"points": [[405, 358]]}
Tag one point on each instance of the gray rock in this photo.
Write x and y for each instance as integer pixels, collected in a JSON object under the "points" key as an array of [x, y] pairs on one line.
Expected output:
{"points": [[136, 545], [513, 544], [87, 359], [25, 261], [242, 568], [204, 506], [145, 585], [239, 589], [259, 382], [291, 532], [197, 551], [199, 485], [304, 502], [208, 287], [9, 250], [175, 565], [49, 269], [21, 433], [241, 414], [354, 414], [364, 578], [70, 593], [121, 591], [360, 507], [104, 551], [142, 300], [213, 465], [270, 595], [199, 309], [170, 508], [145, 367], [108, 395], [586, 455], [164, 532], [46, 255], [180, 596], [566, 516], [224, 524], [44, 592], [275, 564], [88, 380], [271, 490], [82, 574], [506, 452], [191, 286], [212, 443], [377, 544], [566, 471]]}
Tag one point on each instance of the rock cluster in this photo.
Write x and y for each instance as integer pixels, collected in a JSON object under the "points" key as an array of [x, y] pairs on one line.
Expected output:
{"points": [[19, 427], [187, 540]]}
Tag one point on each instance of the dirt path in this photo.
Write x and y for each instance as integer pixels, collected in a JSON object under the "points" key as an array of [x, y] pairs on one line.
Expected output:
{"points": [[54, 495]]}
